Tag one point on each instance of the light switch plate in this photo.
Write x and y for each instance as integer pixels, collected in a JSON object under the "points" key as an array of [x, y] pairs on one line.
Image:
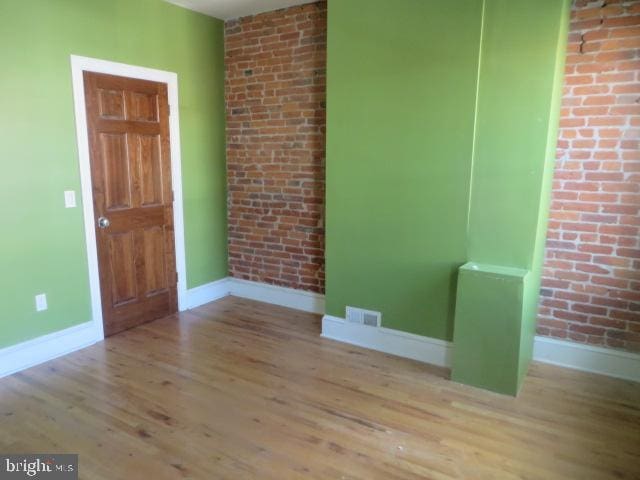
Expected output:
{"points": [[41, 302], [69, 199]]}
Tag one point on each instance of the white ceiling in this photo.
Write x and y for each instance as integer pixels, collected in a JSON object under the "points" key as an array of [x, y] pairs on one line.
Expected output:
{"points": [[226, 9]]}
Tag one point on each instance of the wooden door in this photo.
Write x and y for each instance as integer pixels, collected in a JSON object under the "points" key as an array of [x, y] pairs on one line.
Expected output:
{"points": [[128, 124]]}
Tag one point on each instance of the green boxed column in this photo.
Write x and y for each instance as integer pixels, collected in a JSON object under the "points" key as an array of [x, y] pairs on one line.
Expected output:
{"points": [[489, 335]]}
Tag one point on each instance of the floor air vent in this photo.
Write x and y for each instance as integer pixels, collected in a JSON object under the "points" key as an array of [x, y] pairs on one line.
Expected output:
{"points": [[364, 317]]}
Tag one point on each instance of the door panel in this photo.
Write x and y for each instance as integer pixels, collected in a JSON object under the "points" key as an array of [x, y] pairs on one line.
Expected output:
{"points": [[131, 175], [111, 104], [148, 151], [116, 168], [143, 107], [154, 248], [122, 262]]}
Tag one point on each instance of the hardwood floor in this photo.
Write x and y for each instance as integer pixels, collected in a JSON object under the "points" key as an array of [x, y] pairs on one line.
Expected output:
{"points": [[239, 389]]}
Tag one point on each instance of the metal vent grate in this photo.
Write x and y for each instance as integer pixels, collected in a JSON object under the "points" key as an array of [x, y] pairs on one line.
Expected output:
{"points": [[370, 319], [364, 317]]}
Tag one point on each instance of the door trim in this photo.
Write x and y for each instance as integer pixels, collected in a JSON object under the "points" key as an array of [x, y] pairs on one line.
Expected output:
{"points": [[81, 64]]}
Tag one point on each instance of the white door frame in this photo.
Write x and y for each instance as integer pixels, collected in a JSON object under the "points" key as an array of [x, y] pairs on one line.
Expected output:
{"points": [[86, 64]]}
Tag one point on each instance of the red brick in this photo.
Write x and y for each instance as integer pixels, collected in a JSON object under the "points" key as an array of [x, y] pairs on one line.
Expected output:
{"points": [[591, 268], [595, 111], [599, 249], [576, 337], [591, 89], [605, 178], [599, 100], [618, 230], [571, 296], [608, 323], [588, 309], [611, 282], [587, 329], [275, 193], [629, 336], [574, 317], [626, 88], [610, 302], [621, 21], [628, 252], [543, 322], [615, 77]]}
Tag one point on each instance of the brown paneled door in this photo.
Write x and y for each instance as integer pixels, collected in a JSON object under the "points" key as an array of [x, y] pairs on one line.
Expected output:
{"points": [[128, 124]]}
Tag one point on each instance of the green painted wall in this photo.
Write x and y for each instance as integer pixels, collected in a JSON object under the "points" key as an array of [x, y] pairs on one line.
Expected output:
{"points": [[532, 290], [517, 123], [420, 178], [42, 242], [518, 74], [400, 101], [489, 307]]}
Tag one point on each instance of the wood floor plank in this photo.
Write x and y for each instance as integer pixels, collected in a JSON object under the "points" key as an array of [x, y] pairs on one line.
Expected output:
{"points": [[240, 389]]}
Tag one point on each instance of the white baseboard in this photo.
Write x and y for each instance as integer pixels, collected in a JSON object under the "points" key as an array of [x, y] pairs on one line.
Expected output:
{"points": [[47, 347], [614, 363], [38, 350], [588, 358], [285, 297], [395, 342], [262, 292], [605, 361], [206, 293]]}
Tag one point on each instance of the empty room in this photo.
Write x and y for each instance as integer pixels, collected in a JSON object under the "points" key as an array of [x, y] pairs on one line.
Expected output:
{"points": [[343, 239]]}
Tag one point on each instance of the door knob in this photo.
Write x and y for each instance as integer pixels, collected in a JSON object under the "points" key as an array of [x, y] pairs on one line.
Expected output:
{"points": [[103, 222]]}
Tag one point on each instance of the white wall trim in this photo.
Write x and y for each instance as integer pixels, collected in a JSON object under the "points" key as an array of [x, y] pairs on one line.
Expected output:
{"points": [[262, 292], [208, 292], [285, 297], [78, 66], [403, 344], [605, 361], [47, 347], [588, 358]]}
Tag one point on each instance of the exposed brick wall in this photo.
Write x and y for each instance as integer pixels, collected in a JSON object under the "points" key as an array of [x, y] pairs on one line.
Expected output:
{"points": [[275, 95], [591, 284]]}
